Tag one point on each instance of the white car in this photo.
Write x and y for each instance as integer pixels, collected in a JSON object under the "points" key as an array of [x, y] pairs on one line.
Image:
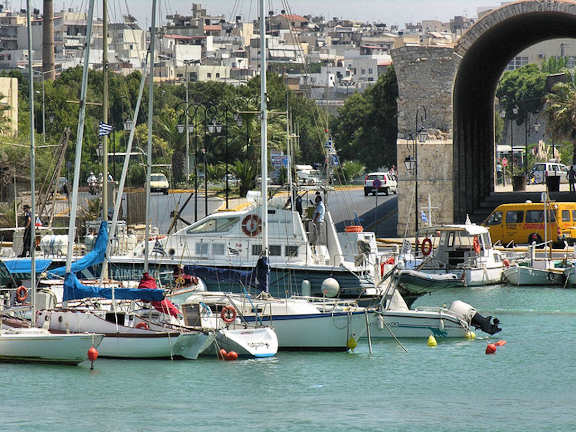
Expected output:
{"points": [[548, 169], [159, 183], [387, 181]]}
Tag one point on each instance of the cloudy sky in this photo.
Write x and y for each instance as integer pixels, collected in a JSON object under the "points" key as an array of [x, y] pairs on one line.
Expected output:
{"points": [[387, 11]]}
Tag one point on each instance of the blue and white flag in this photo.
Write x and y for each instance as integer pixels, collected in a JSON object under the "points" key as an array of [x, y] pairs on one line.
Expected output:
{"points": [[104, 129], [158, 249], [424, 217]]}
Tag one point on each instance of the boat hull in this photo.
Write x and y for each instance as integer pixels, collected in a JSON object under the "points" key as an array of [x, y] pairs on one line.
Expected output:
{"points": [[526, 276], [35, 346], [257, 342], [416, 324]]}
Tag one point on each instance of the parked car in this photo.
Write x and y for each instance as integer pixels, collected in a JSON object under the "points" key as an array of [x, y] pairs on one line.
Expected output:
{"points": [[388, 183], [159, 183], [542, 170]]}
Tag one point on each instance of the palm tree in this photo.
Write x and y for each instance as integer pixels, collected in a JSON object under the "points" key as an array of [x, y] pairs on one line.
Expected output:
{"points": [[561, 113]]}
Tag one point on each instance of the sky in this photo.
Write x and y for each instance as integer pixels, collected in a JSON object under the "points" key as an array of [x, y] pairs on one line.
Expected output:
{"points": [[396, 12]]}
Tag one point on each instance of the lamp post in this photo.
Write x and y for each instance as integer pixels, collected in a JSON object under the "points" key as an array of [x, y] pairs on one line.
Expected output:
{"points": [[411, 162]]}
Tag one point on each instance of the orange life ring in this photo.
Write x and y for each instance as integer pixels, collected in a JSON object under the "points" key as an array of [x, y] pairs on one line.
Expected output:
{"points": [[353, 228], [21, 294], [426, 246], [476, 244], [142, 325], [228, 314], [252, 225]]}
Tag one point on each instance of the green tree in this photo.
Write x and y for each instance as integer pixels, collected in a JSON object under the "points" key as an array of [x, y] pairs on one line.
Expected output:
{"points": [[561, 114]]}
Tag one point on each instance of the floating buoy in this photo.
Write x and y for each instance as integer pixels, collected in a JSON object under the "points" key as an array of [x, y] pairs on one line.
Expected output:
{"points": [[222, 354], [506, 262], [92, 356], [351, 344], [490, 349], [232, 355], [431, 341], [470, 335], [142, 325], [500, 343]]}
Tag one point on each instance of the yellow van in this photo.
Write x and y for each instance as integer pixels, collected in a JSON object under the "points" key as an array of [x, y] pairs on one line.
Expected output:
{"points": [[523, 223]]}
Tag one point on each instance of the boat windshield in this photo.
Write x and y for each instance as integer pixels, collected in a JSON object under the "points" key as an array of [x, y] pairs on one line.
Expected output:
{"points": [[214, 225]]}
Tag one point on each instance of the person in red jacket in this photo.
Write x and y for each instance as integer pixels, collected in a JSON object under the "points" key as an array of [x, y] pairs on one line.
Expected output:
{"points": [[165, 306]]}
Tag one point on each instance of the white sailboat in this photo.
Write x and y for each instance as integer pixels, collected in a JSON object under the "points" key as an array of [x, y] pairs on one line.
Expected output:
{"points": [[128, 335], [20, 344]]}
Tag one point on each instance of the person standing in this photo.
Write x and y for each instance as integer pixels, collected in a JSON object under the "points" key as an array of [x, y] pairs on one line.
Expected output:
{"points": [[318, 219], [572, 178], [27, 231]]}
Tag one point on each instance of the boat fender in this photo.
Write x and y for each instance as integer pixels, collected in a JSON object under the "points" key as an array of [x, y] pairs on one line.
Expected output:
{"points": [[506, 262], [476, 244], [491, 349], [228, 314], [431, 341], [21, 293], [330, 287], [142, 325], [426, 247]]}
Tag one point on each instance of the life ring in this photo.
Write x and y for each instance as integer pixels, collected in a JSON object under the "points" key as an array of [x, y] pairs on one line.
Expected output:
{"points": [[228, 314], [21, 294], [353, 228], [476, 244], [251, 225], [426, 246], [142, 325]]}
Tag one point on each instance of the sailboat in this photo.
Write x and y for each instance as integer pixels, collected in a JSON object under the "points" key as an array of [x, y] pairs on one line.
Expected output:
{"points": [[128, 333], [30, 344]]}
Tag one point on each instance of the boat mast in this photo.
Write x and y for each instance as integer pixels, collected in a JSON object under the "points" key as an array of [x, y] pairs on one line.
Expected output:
{"points": [[79, 136], [32, 171], [263, 130], [105, 110], [149, 148]]}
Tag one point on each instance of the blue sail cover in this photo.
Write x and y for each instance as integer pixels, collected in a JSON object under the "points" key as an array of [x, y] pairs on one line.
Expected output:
{"points": [[75, 290], [257, 278], [24, 266], [95, 256]]}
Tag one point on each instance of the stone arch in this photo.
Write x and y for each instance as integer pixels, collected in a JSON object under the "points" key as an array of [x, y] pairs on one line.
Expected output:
{"points": [[483, 52]]}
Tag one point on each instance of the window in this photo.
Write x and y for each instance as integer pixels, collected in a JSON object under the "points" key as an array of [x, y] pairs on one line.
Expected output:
{"points": [[217, 75], [214, 225], [537, 216], [201, 249], [218, 249], [291, 251], [450, 239], [209, 75], [574, 215], [370, 71], [565, 215], [513, 217], [494, 219], [363, 71], [256, 250], [540, 167], [275, 250]]}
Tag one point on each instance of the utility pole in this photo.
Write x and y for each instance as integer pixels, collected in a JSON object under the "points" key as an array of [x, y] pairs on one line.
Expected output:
{"points": [[48, 40]]}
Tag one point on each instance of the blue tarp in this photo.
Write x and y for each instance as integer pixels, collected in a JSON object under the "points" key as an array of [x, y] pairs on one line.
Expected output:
{"points": [[95, 256], [75, 290], [24, 266], [257, 278]]}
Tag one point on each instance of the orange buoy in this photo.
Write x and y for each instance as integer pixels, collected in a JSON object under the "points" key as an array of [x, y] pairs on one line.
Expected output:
{"points": [[490, 349], [142, 325], [92, 356], [232, 355], [500, 343], [222, 354]]}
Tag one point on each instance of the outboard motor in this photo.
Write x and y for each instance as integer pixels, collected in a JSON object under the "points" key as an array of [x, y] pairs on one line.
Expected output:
{"points": [[467, 313]]}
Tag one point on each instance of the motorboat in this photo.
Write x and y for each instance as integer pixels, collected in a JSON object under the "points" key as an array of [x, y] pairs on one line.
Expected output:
{"points": [[421, 282], [301, 323], [525, 275], [462, 251]]}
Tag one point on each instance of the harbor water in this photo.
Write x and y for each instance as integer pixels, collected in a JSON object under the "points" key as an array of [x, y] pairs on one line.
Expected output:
{"points": [[528, 385]]}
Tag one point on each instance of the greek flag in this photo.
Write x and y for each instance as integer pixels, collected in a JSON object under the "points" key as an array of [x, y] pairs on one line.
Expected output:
{"points": [[104, 129], [158, 249], [424, 216]]}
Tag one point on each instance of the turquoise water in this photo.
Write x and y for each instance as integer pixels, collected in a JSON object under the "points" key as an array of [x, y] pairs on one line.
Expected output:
{"points": [[528, 385]]}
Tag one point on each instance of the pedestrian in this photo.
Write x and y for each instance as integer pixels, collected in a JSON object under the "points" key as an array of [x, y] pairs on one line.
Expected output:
{"points": [[318, 219], [298, 202], [499, 173], [26, 240], [572, 178]]}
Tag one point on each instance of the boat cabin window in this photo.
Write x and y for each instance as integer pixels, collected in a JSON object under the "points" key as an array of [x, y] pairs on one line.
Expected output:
{"points": [[565, 215], [486, 241], [275, 250], [537, 216], [214, 225], [495, 218], [201, 249], [514, 216], [256, 249], [450, 242], [291, 251], [218, 249]]}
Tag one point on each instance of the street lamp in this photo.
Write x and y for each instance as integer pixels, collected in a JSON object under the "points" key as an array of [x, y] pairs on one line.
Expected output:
{"points": [[411, 163]]}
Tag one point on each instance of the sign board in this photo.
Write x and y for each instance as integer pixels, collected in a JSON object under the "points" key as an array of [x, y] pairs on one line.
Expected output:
{"points": [[278, 161]]}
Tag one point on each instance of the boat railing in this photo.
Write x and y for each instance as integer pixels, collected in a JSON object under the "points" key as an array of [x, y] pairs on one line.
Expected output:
{"points": [[435, 309], [327, 301]]}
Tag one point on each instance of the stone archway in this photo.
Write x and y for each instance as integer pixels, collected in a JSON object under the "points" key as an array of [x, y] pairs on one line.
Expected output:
{"points": [[456, 87]]}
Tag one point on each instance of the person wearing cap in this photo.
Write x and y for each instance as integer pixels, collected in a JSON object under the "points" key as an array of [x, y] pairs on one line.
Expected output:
{"points": [[27, 231], [318, 218]]}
